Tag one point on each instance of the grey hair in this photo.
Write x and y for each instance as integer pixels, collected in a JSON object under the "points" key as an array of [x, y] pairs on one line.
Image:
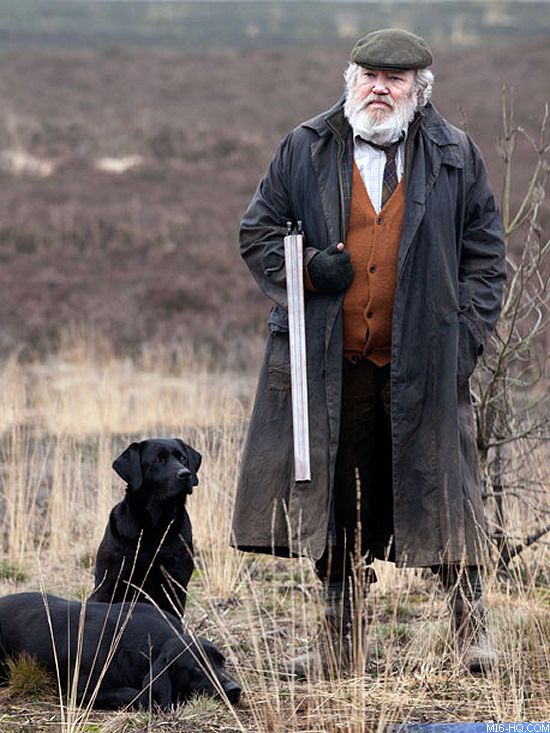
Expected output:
{"points": [[423, 85], [423, 82]]}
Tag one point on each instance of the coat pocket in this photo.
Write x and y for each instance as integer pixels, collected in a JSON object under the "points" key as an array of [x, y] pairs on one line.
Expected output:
{"points": [[278, 350]]}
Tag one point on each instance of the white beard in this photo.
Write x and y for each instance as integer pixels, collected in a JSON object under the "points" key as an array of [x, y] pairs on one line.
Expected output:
{"points": [[377, 126]]}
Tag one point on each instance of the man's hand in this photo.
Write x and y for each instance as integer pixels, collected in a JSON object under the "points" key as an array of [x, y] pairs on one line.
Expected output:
{"points": [[330, 270]]}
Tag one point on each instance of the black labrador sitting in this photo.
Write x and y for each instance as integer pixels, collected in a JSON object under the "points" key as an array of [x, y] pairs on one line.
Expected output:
{"points": [[147, 549], [147, 660]]}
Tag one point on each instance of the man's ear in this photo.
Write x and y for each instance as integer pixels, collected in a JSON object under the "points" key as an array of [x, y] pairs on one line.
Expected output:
{"points": [[128, 466], [194, 458]]}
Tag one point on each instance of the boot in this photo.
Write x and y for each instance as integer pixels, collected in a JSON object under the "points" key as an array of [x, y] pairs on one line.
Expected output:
{"points": [[474, 643]]}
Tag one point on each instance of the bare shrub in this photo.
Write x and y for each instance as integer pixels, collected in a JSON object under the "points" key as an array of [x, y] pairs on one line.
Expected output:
{"points": [[511, 393]]}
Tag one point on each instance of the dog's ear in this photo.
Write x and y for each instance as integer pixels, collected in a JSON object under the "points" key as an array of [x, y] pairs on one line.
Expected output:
{"points": [[128, 466], [159, 677], [194, 457]]}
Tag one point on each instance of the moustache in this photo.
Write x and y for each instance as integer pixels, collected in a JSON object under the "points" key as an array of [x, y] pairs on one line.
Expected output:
{"points": [[386, 99]]}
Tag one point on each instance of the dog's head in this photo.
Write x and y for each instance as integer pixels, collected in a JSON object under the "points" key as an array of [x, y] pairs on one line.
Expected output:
{"points": [[209, 675], [198, 667], [166, 466]]}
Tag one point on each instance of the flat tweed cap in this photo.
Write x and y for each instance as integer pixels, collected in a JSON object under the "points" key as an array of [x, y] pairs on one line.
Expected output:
{"points": [[391, 48]]}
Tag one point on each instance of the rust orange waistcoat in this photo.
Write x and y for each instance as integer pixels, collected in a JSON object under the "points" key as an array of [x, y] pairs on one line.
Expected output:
{"points": [[373, 243]]}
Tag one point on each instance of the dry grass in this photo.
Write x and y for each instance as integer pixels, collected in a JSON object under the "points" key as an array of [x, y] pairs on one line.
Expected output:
{"points": [[64, 419], [28, 679]]}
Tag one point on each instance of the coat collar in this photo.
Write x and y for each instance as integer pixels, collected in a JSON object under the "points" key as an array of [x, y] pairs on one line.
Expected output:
{"points": [[436, 128], [442, 135], [330, 122], [432, 124]]}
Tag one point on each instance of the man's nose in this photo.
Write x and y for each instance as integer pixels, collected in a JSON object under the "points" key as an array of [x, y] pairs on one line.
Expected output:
{"points": [[380, 85]]}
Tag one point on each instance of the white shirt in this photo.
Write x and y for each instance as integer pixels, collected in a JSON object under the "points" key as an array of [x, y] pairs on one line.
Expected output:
{"points": [[371, 163]]}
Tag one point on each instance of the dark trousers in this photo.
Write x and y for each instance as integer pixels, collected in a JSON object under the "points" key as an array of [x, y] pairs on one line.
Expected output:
{"points": [[361, 527], [362, 505]]}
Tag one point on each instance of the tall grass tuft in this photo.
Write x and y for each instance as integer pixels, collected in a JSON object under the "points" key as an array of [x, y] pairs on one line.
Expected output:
{"points": [[26, 678]]}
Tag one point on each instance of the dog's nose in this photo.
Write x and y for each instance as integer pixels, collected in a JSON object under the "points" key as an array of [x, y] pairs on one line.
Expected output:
{"points": [[183, 473], [233, 692]]}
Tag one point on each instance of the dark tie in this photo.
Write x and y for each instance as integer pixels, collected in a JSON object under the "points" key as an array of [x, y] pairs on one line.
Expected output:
{"points": [[389, 180]]}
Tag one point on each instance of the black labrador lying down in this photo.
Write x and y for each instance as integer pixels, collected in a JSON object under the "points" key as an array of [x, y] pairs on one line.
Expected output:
{"points": [[151, 661], [147, 548]]}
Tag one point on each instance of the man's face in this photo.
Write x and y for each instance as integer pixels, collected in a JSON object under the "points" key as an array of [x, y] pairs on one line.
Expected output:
{"points": [[381, 103], [381, 91]]}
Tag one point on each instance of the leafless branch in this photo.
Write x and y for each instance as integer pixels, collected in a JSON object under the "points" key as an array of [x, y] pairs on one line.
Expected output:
{"points": [[510, 388]]}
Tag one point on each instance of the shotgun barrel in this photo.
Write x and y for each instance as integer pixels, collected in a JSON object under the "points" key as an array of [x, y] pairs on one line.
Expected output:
{"points": [[294, 263]]}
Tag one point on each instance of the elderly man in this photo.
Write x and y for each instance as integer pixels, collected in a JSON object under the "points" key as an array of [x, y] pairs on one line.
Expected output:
{"points": [[404, 272]]}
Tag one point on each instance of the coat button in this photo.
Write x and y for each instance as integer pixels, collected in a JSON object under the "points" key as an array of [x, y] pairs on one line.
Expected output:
{"points": [[379, 220], [369, 314], [372, 268]]}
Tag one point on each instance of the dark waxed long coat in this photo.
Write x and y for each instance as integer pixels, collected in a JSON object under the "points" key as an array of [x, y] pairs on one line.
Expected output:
{"points": [[450, 277]]}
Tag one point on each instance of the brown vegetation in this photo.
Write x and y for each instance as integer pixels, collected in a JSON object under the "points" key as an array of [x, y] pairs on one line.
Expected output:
{"points": [[151, 254]]}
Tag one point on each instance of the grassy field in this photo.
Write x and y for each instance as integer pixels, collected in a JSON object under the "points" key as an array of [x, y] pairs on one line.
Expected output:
{"points": [[63, 420]]}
